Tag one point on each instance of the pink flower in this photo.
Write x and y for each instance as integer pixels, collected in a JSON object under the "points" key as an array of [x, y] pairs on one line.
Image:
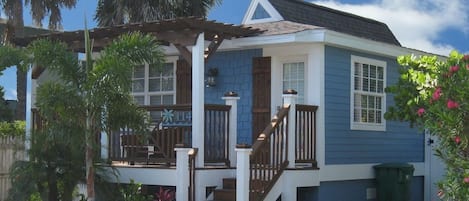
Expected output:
{"points": [[466, 180], [440, 194], [466, 57], [452, 104], [457, 139], [467, 66], [436, 95], [420, 111], [453, 69]]}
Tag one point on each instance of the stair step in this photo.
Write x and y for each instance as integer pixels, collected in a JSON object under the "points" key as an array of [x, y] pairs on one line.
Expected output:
{"points": [[224, 194], [229, 183]]}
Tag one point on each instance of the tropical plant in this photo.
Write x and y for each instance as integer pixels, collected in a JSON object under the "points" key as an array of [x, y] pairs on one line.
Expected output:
{"points": [[114, 12], [133, 192], [434, 95], [13, 10], [165, 195]]}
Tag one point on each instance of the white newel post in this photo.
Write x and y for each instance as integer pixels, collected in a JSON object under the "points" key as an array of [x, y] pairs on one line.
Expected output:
{"points": [[289, 98], [198, 104], [242, 172], [182, 172], [231, 98]]}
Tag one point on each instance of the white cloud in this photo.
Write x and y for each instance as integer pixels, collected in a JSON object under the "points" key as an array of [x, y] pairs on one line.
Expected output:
{"points": [[10, 94], [417, 24]]}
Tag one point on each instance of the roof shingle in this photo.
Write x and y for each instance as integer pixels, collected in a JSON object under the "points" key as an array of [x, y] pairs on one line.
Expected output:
{"points": [[308, 13]]}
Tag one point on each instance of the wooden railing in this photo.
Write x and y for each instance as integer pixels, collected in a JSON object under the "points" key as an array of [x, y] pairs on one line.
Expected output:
{"points": [[171, 125], [216, 134], [305, 139], [269, 155]]}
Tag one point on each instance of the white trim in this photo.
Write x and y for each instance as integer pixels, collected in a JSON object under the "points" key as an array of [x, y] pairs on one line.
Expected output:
{"points": [[328, 37], [358, 171], [273, 13], [363, 125]]}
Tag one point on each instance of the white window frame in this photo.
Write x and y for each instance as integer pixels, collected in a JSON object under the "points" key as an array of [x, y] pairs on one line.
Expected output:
{"points": [[366, 125], [146, 94], [296, 59]]}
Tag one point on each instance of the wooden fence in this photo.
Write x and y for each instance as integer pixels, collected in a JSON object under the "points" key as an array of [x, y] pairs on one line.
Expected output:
{"points": [[9, 153]]}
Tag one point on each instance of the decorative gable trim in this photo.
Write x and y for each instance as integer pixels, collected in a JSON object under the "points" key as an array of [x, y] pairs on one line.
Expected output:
{"points": [[272, 14]]}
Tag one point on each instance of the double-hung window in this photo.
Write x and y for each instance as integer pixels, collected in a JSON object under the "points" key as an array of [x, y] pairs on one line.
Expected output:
{"points": [[294, 78], [152, 85], [368, 98]]}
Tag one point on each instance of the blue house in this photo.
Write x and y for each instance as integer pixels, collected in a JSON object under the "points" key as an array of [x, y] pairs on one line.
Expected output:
{"points": [[225, 93]]}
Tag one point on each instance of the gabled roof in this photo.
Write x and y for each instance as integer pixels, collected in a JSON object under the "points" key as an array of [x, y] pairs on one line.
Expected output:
{"points": [[303, 12], [308, 13]]}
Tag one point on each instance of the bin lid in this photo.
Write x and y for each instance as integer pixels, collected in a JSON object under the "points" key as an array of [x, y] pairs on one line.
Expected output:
{"points": [[394, 165]]}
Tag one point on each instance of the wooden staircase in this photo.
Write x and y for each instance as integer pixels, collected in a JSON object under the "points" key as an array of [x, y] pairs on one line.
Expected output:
{"points": [[228, 192]]}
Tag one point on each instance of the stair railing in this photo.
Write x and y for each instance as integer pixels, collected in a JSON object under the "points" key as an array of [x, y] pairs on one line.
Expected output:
{"points": [[269, 155]]}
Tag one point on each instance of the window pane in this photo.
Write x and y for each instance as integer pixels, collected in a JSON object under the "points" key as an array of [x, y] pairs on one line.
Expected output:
{"points": [[378, 117], [358, 69], [293, 78], [380, 86], [371, 102], [138, 85], [366, 85], [372, 71], [379, 102], [364, 116], [154, 70], [364, 101], [138, 71], [168, 99], [357, 100], [167, 84], [168, 70], [140, 100], [380, 72], [356, 115], [373, 85], [356, 83], [154, 85], [155, 100], [365, 70], [371, 116]]}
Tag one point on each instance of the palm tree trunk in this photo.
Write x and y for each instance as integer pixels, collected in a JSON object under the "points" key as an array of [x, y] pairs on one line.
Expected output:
{"points": [[89, 160]]}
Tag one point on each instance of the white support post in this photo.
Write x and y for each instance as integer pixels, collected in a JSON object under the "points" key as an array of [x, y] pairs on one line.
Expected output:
{"points": [[104, 145], [198, 104], [242, 172], [231, 98], [289, 98], [182, 172]]}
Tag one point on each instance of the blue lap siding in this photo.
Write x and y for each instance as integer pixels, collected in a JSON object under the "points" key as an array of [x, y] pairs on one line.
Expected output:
{"points": [[234, 74], [399, 143]]}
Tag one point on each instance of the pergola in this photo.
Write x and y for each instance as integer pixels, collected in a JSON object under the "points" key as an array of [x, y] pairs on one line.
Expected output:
{"points": [[188, 35]]}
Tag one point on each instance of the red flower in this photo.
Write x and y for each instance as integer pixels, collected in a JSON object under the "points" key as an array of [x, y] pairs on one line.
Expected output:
{"points": [[436, 95], [457, 139], [452, 104], [453, 69], [466, 180], [420, 111]]}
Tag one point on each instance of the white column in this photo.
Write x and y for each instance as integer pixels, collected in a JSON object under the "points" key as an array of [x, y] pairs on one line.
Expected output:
{"points": [[182, 173], [231, 98], [289, 98], [198, 99], [242, 173], [105, 145]]}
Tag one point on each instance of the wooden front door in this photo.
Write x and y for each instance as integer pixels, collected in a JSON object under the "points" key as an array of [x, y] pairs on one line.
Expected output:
{"points": [[261, 70]]}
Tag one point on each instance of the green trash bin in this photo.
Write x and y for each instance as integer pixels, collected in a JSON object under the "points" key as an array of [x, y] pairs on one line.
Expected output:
{"points": [[393, 181]]}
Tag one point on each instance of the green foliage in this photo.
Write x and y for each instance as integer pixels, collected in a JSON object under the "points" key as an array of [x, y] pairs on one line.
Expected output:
{"points": [[13, 129], [433, 95], [133, 192]]}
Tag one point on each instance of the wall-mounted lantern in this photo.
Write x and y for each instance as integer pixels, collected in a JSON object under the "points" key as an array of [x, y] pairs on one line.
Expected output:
{"points": [[211, 77]]}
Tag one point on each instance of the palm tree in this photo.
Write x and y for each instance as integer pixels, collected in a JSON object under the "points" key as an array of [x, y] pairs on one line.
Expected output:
{"points": [[114, 12], [15, 28]]}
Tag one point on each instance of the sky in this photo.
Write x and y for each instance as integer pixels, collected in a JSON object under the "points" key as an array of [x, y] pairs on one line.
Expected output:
{"points": [[436, 26]]}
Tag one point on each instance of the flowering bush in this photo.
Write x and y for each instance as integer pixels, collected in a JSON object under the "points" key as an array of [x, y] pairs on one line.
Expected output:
{"points": [[434, 95]]}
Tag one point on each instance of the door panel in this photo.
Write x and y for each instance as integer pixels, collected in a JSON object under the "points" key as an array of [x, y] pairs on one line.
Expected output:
{"points": [[261, 114]]}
